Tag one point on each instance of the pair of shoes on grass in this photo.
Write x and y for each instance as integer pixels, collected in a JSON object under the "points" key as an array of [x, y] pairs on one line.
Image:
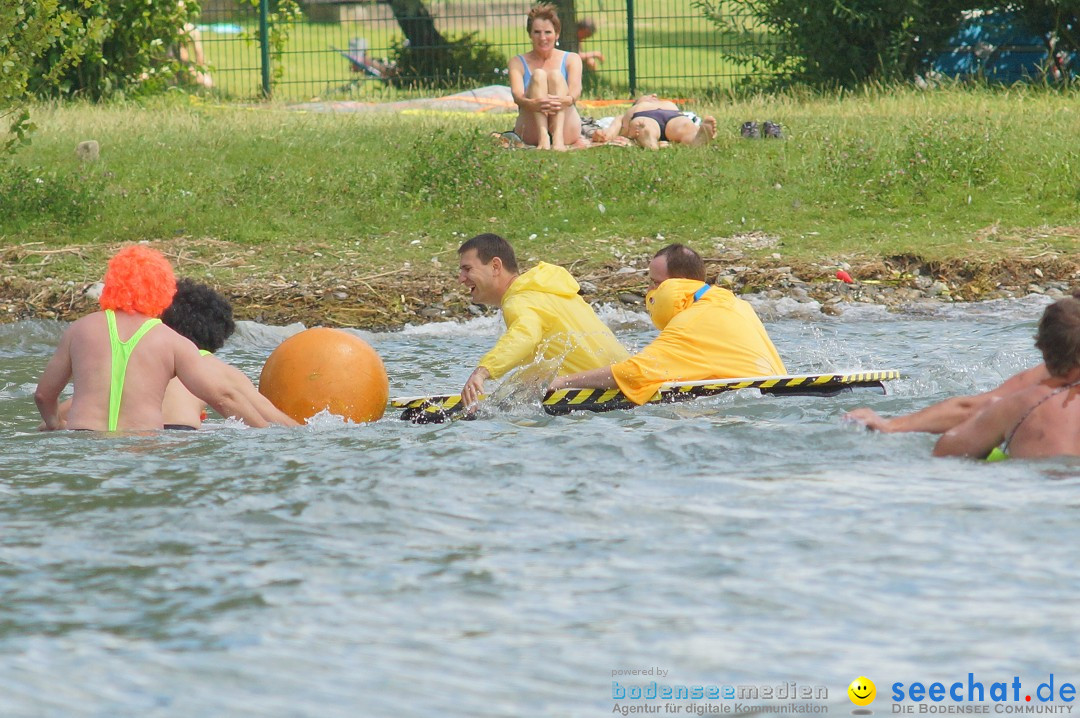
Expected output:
{"points": [[751, 131], [509, 140]]}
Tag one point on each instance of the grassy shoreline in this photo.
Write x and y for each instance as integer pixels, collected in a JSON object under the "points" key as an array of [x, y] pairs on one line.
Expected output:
{"points": [[386, 300], [277, 206]]}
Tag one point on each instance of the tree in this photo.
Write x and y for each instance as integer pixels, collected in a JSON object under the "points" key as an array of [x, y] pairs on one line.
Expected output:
{"points": [[844, 42], [417, 23], [429, 59], [1060, 21], [568, 39], [28, 28], [112, 45]]}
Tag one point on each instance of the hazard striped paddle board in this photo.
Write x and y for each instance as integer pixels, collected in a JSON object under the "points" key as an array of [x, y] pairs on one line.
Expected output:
{"points": [[435, 409]]}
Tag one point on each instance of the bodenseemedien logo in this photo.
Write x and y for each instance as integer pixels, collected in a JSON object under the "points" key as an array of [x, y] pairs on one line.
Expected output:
{"points": [[862, 692], [702, 699]]}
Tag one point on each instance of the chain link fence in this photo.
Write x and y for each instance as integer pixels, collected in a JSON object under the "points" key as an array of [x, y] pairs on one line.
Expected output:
{"points": [[359, 49]]}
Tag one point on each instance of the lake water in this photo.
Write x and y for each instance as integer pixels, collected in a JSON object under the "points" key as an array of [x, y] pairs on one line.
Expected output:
{"points": [[509, 566]]}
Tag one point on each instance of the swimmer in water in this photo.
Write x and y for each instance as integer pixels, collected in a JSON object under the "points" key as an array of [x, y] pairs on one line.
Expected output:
{"points": [[121, 359]]}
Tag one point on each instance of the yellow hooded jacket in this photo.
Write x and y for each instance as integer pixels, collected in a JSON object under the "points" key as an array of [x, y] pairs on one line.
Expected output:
{"points": [[718, 336], [546, 317]]}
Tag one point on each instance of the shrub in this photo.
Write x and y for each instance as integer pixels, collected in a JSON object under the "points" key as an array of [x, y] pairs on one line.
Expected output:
{"points": [[838, 42], [1060, 20], [27, 29], [453, 168], [37, 195], [116, 45], [461, 61]]}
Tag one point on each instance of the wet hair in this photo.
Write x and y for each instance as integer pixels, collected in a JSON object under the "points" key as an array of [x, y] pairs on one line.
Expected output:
{"points": [[682, 262], [1058, 336], [489, 246], [544, 11], [139, 280], [201, 314]]}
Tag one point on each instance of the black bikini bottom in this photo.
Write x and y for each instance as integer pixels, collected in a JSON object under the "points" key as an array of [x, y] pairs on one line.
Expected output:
{"points": [[662, 117]]}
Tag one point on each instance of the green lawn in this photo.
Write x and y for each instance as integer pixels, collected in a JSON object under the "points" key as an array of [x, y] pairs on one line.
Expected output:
{"points": [[943, 174]]}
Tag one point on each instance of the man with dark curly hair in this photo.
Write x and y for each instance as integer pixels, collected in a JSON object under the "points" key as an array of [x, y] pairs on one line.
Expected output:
{"points": [[201, 314], [204, 316]]}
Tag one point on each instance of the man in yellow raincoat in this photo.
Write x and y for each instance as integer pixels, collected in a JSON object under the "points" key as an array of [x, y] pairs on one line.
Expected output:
{"points": [[706, 332], [546, 319]]}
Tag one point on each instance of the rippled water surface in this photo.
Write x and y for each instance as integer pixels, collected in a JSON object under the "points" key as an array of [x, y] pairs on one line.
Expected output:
{"points": [[506, 566]]}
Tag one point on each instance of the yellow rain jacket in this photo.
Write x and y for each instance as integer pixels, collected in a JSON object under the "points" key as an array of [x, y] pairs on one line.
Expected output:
{"points": [[547, 318], [718, 336]]}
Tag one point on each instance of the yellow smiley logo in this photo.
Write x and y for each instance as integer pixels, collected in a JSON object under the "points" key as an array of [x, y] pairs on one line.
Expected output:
{"points": [[862, 691]]}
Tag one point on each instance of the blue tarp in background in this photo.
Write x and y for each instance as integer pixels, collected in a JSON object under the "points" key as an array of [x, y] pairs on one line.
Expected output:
{"points": [[999, 47]]}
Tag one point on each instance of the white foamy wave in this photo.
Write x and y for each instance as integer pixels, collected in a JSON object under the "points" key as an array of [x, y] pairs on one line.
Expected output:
{"points": [[253, 334], [18, 391], [34, 336], [324, 421], [488, 325], [619, 317], [250, 334], [1028, 308], [369, 337], [784, 308]]}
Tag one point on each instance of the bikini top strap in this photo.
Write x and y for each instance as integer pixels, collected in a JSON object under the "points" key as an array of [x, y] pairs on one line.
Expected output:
{"points": [[1055, 392]]}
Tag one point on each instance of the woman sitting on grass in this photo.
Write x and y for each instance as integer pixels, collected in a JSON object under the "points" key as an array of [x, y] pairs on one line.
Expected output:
{"points": [[546, 84]]}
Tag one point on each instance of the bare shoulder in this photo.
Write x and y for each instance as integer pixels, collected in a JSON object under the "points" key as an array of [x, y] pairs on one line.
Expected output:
{"points": [[82, 323], [87, 328], [1023, 380], [573, 63], [1008, 409], [180, 345]]}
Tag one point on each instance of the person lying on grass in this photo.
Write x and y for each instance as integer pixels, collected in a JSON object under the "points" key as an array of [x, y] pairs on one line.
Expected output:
{"points": [[651, 121]]}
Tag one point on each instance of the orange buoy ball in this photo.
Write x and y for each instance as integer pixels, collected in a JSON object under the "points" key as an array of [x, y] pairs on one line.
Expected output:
{"points": [[326, 369]]}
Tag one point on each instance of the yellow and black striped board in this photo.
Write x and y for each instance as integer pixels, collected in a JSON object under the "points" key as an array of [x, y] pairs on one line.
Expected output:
{"points": [[435, 409]]}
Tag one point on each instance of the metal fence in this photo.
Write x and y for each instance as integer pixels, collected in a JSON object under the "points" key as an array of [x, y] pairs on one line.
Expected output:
{"points": [[357, 48]]}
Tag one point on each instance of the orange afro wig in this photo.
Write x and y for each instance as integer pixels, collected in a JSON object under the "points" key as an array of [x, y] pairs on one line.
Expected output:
{"points": [[140, 280]]}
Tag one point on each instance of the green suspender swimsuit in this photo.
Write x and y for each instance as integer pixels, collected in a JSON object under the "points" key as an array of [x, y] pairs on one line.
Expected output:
{"points": [[121, 353]]}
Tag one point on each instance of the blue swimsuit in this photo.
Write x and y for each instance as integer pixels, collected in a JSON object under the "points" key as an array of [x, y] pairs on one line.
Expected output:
{"points": [[528, 72]]}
